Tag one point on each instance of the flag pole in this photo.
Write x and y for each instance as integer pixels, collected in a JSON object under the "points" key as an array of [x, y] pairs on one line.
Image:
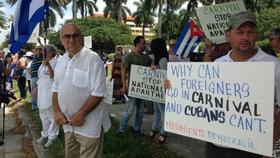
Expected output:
{"points": [[46, 25]]}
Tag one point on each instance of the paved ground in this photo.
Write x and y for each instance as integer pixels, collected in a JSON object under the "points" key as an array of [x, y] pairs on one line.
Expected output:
{"points": [[12, 147], [184, 146]]}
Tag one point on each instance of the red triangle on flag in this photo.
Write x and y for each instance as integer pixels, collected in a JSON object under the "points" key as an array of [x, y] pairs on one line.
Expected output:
{"points": [[195, 30]]}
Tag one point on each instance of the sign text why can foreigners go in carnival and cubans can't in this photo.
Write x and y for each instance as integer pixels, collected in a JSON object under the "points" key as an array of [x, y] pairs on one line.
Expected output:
{"points": [[147, 84], [214, 18], [230, 104]]}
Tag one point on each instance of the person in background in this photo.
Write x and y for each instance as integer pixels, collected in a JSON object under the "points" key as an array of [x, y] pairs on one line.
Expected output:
{"points": [[116, 75], [172, 57], [28, 56], [274, 39], [214, 51], [78, 89], [158, 47], [36, 63], [138, 58], [19, 74], [45, 80]]}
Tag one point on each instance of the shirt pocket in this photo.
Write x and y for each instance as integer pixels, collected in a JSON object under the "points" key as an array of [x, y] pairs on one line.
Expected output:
{"points": [[80, 78]]}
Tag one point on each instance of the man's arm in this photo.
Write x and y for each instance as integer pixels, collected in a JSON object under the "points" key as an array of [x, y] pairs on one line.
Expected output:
{"points": [[123, 77], [59, 117], [91, 103]]}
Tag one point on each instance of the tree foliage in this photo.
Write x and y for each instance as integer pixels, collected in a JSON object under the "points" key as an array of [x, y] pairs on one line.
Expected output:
{"points": [[267, 20], [106, 33]]}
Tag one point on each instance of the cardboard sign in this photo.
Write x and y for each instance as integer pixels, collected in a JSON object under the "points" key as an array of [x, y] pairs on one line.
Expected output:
{"points": [[214, 18], [228, 104], [88, 41], [145, 83], [109, 85]]}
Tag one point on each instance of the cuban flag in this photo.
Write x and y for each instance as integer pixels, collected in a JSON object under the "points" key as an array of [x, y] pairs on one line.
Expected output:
{"points": [[28, 14], [188, 40]]}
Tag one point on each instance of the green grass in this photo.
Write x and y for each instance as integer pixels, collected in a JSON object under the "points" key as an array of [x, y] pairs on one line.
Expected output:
{"points": [[115, 145]]}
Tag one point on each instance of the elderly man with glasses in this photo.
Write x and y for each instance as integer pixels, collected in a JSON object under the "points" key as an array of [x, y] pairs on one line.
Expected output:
{"points": [[78, 90]]}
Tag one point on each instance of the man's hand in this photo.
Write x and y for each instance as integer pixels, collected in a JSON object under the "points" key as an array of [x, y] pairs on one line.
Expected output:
{"points": [[46, 62], [166, 84], [60, 118], [77, 119]]}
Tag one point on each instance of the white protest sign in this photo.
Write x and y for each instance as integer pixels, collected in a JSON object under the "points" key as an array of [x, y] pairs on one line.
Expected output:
{"points": [[230, 104], [145, 83], [109, 85], [35, 34], [214, 18], [88, 41]]}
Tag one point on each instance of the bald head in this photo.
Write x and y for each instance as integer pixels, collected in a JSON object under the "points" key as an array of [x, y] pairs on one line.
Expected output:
{"points": [[71, 38]]}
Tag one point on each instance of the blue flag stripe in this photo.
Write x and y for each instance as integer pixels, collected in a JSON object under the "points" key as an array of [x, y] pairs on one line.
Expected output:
{"points": [[28, 14], [182, 38]]}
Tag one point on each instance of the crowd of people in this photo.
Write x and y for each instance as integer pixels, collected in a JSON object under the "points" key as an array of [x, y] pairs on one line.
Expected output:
{"points": [[68, 90]]}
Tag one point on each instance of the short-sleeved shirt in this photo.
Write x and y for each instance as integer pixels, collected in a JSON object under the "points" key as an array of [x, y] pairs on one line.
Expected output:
{"points": [[136, 59], [36, 63], [75, 80]]}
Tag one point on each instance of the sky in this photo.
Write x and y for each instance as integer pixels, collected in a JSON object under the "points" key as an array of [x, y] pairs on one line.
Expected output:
{"points": [[68, 14]]}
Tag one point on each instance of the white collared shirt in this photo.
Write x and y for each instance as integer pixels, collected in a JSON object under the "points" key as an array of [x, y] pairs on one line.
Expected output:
{"points": [[75, 80], [45, 83]]}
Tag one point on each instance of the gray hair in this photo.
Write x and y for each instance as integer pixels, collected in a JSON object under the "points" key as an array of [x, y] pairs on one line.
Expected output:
{"points": [[51, 48], [275, 32]]}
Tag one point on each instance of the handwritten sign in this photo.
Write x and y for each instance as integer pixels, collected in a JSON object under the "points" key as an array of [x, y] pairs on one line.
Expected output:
{"points": [[214, 18], [109, 85], [230, 104], [146, 83]]}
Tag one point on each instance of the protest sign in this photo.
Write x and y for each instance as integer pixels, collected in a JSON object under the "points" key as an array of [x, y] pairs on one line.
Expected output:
{"points": [[145, 83], [214, 18], [229, 104], [109, 85], [88, 41]]}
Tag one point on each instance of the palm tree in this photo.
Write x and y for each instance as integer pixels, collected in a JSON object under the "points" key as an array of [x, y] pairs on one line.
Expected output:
{"points": [[74, 9], [56, 6], [159, 4], [3, 20], [116, 10], [143, 15], [87, 6]]}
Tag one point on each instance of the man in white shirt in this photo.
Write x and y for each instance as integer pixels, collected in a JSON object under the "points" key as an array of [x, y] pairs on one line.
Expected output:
{"points": [[78, 90], [242, 36]]}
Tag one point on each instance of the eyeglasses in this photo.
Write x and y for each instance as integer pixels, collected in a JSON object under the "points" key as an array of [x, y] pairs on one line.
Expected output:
{"points": [[69, 36], [38, 48]]}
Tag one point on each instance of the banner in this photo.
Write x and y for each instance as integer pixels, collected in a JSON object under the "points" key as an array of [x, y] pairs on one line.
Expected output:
{"points": [[229, 104], [214, 18], [145, 83]]}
